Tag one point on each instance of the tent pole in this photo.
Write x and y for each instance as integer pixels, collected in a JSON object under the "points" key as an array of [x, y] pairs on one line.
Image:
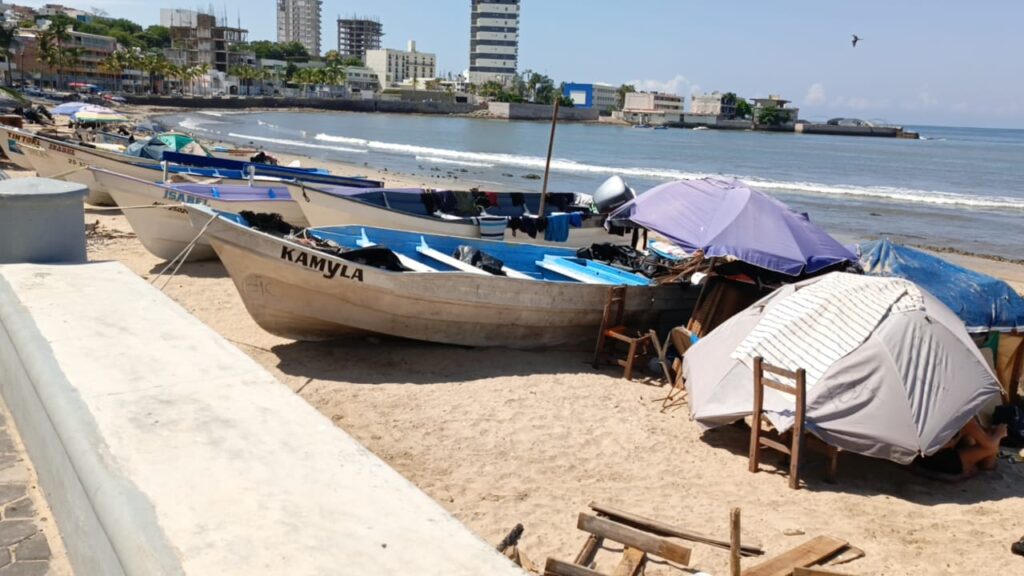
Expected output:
{"points": [[547, 163]]}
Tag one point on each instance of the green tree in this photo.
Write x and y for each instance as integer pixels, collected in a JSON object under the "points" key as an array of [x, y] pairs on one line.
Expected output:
{"points": [[55, 49], [153, 64], [115, 64], [267, 50], [771, 116], [620, 95], [743, 108]]}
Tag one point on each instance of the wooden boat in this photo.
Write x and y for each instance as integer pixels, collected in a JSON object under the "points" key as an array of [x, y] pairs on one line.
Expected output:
{"points": [[165, 232], [404, 209], [406, 285]]}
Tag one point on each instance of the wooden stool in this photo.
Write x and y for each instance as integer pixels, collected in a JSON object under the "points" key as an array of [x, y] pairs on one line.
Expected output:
{"points": [[613, 329]]}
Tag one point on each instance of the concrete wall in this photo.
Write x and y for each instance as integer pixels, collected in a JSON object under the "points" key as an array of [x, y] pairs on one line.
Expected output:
{"points": [[879, 131], [340, 104], [165, 450], [523, 111]]}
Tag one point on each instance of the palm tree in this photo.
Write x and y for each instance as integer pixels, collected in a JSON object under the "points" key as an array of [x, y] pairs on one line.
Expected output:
{"points": [[115, 64], [55, 52], [153, 64], [8, 39]]}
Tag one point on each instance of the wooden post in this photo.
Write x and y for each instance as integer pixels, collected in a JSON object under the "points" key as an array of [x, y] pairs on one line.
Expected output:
{"points": [[547, 164], [734, 542]]}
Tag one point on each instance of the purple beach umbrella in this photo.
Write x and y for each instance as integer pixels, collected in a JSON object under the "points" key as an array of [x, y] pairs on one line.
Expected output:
{"points": [[728, 218]]}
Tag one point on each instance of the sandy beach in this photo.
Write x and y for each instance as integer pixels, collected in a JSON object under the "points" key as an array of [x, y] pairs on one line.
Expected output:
{"points": [[501, 437]]}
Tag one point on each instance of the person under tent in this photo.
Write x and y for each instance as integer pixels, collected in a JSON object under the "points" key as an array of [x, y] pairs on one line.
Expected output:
{"points": [[973, 449]]}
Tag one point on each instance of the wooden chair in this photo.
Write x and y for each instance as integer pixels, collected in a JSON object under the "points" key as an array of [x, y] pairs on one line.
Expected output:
{"points": [[637, 545], [796, 434], [612, 330], [679, 338]]}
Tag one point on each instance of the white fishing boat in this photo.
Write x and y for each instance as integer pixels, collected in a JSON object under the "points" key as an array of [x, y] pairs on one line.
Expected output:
{"points": [[408, 285], [165, 232], [513, 217]]}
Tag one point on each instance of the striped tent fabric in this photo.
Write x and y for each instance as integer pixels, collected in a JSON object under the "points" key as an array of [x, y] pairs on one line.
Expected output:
{"points": [[822, 323]]}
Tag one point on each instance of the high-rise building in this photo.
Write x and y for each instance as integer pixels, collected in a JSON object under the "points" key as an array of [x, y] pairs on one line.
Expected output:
{"points": [[493, 40], [299, 21], [357, 35]]}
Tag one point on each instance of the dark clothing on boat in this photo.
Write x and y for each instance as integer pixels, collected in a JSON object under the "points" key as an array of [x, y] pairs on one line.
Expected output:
{"points": [[945, 461]]}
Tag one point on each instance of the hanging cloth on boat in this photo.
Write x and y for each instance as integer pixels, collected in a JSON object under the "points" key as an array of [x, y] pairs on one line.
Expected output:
{"points": [[558, 228], [429, 202], [492, 227], [465, 203], [576, 219], [493, 198], [445, 201], [518, 198]]}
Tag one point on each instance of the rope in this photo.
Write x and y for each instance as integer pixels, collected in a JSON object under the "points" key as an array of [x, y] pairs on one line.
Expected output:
{"points": [[178, 260], [60, 175]]}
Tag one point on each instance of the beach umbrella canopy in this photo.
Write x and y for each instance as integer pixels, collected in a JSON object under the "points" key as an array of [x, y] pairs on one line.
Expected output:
{"points": [[898, 376], [984, 303], [155, 147], [69, 108], [728, 218], [97, 114]]}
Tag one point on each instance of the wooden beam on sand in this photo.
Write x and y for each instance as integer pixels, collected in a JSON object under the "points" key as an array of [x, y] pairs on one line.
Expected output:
{"points": [[816, 572], [654, 545], [814, 551], [555, 567], [663, 529]]}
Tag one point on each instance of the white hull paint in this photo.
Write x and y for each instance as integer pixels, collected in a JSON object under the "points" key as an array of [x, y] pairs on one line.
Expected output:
{"points": [[323, 209], [288, 294], [165, 232]]}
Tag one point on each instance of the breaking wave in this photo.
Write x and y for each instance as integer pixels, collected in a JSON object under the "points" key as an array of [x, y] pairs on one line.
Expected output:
{"points": [[297, 143], [493, 159]]}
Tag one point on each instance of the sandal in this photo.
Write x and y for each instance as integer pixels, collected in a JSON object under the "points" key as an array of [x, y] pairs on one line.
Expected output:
{"points": [[1018, 547]]}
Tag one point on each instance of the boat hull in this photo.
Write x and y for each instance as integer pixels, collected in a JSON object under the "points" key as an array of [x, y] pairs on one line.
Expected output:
{"points": [[165, 232], [324, 209], [11, 143], [303, 294]]}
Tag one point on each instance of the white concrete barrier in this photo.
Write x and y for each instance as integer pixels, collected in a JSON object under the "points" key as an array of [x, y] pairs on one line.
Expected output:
{"points": [[163, 449]]}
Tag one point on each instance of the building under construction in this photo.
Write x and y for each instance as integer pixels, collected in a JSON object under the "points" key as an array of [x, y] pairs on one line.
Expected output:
{"points": [[357, 35], [198, 38]]}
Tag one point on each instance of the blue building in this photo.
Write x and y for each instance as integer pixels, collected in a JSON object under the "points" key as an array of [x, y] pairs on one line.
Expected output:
{"points": [[600, 96]]}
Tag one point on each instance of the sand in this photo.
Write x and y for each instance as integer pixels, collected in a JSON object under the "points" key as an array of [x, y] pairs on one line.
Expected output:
{"points": [[500, 437]]}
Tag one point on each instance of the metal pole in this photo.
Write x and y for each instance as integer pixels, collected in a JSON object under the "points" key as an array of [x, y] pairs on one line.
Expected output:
{"points": [[547, 164]]}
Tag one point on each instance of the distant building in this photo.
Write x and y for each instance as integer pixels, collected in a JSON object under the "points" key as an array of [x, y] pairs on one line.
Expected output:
{"points": [[357, 35], [599, 96], [493, 40], [198, 38], [73, 13], [395, 66], [359, 79], [92, 50], [789, 116], [714, 104], [299, 21], [652, 108]]}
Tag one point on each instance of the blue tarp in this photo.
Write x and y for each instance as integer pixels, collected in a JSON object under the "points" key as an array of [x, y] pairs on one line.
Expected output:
{"points": [[984, 303]]}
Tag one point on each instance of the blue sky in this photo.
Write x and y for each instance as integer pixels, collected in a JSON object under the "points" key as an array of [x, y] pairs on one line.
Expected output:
{"points": [[920, 62]]}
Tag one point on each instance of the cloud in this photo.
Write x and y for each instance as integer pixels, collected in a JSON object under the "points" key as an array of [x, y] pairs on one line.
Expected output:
{"points": [[852, 103], [815, 95], [677, 85]]}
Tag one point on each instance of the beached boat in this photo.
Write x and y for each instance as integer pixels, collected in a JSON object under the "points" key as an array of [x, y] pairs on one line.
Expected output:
{"points": [[408, 285], [505, 216], [165, 232]]}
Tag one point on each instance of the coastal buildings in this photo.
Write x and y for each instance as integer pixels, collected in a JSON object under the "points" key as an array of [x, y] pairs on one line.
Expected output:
{"points": [[652, 108], [357, 35], [198, 38], [299, 21], [361, 79], [92, 50], [771, 112], [714, 104], [493, 40], [395, 66], [599, 96]]}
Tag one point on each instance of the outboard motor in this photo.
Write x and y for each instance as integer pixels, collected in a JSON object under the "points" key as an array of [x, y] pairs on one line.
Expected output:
{"points": [[614, 192]]}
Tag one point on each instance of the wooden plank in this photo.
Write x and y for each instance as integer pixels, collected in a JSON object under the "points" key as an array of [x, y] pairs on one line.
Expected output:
{"points": [[734, 542], [555, 567], [632, 562], [807, 554], [589, 550], [654, 545], [664, 529], [816, 572]]}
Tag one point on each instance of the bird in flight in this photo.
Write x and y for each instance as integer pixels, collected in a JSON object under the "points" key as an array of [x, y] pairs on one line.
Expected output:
{"points": [[855, 40]]}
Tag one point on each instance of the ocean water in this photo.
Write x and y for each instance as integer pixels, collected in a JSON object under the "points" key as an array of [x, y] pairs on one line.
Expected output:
{"points": [[956, 188]]}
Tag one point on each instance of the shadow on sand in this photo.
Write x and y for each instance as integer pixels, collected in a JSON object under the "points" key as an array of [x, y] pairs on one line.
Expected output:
{"points": [[201, 269], [379, 360], [866, 476]]}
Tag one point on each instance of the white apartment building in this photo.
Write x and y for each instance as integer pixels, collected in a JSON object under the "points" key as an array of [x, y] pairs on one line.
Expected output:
{"points": [[299, 21], [652, 108], [395, 66], [493, 40]]}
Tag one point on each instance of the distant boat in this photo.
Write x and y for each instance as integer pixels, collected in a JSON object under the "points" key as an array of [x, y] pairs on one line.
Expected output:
{"points": [[700, 128], [166, 232], [377, 281]]}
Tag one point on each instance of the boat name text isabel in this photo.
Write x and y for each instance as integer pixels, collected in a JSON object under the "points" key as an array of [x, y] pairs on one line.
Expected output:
{"points": [[176, 196], [325, 266]]}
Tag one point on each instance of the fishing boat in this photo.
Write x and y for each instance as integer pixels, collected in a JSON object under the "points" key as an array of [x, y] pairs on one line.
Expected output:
{"points": [[569, 219], [166, 232], [343, 281]]}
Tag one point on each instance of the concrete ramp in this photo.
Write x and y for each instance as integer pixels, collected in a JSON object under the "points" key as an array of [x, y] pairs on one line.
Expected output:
{"points": [[163, 449]]}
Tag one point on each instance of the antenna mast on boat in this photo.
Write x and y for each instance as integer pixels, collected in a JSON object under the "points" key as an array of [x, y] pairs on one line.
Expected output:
{"points": [[547, 164]]}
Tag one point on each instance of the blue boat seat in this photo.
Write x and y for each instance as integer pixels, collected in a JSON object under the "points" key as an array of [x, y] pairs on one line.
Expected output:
{"points": [[410, 263], [447, 260], [590, 272]]}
